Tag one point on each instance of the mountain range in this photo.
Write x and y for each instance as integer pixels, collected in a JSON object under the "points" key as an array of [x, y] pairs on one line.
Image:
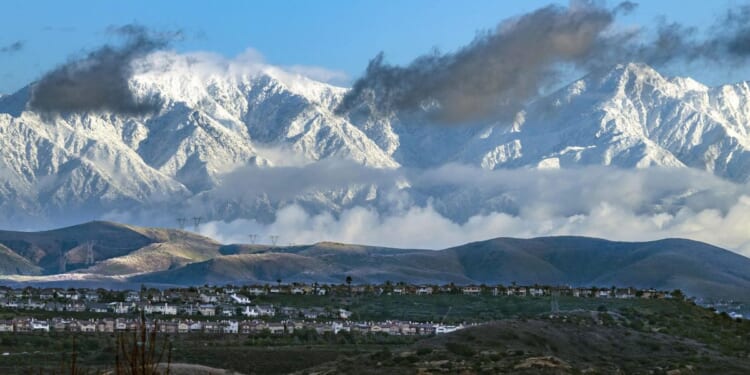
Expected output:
{"points": [[124, 255], [214, 126]]}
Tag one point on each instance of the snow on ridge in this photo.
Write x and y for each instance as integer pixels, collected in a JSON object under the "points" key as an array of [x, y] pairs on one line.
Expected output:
{"points": [[220, 115]]}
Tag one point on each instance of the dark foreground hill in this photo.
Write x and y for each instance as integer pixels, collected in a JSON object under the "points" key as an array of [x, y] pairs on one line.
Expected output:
{"points": [[173, 257]]}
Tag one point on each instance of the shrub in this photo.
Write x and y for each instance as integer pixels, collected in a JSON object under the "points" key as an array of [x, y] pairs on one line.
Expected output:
{"points": [[459, 349]]}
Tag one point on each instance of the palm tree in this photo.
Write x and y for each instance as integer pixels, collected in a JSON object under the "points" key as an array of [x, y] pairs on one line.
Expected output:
{"points": [[349, 284]]}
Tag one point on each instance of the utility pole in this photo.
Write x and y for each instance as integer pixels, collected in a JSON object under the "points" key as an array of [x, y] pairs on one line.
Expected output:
{"points": [[555, 302], [181, 222], [274, 239], [197, 222], [253, 238]]}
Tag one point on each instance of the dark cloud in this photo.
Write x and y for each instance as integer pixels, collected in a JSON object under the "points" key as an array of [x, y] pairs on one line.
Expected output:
{"points": [[495, 74], [100, 80], [502, 70], [13, 47], [732, 34]]}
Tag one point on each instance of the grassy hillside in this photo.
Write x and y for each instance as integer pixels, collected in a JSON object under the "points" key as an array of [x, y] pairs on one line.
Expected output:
{"points": [[14, 264], [697, 268], [117, 248], [167, 256]]}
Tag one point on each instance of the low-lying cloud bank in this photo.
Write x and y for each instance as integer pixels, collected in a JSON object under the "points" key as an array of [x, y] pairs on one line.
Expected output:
{"points": [[456, 204]]}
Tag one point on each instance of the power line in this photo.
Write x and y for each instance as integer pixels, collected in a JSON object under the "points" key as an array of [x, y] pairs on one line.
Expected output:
{"points": [[253, 238], [181, 222]]}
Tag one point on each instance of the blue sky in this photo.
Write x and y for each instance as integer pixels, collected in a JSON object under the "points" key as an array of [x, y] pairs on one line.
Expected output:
{"points": [[340, 35]]}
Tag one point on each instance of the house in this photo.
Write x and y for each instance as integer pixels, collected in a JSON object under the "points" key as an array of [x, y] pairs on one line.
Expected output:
{"points": [[228, 310], [230, 326], [624, 293], [277, 328], [297, 291], [183, 327], [87, 326], [344, 314], [255, 291], [424, 290], [119, 307], [196, 327], [98, 307], [207, 310], [165, 309], [536, 292], [259, 310], [314, 313], [39, 325], [22, 325], [6, 326], [212, 327], [338, 327], [132, 296], [442, 329], [240, 300], [121, 325], [471, 290], [208, 298], [47, 294], [289, 311], [266, 310]]}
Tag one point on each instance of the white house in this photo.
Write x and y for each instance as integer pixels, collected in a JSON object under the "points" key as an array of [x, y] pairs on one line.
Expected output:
{"points": [[441, 329], [207, 310], [240, 300], [344, 314], [231, 326], [39, 325]]}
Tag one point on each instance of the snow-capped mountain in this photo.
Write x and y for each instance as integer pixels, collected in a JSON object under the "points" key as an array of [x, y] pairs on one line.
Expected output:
{"points": [[213, 122], [630, 116]]}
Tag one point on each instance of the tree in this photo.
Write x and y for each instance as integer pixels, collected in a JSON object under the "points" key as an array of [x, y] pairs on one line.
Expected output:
{"points": [[349, 284], [677, 294]]}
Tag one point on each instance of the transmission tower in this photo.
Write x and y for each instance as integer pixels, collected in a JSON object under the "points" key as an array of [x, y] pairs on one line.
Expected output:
{"points": [[63, 261], [253, 238], [274, 239], [90, 252], [555, 302], [181, 222], [197, 222]]}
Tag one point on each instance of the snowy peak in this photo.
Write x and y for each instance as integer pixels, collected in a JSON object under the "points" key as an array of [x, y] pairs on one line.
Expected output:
{"points": [[218, 116]]}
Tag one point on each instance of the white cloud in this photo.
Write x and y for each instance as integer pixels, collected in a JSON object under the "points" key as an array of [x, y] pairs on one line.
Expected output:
{"points": [[629, 205]]}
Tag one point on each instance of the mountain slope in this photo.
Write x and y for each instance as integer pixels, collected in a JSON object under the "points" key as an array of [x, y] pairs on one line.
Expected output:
{"points": [[116, 248], [696, 268], [630, 116], [215, 122]]}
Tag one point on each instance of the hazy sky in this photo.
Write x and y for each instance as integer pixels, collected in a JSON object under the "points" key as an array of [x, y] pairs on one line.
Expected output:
{"points": [[340, 35]]}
